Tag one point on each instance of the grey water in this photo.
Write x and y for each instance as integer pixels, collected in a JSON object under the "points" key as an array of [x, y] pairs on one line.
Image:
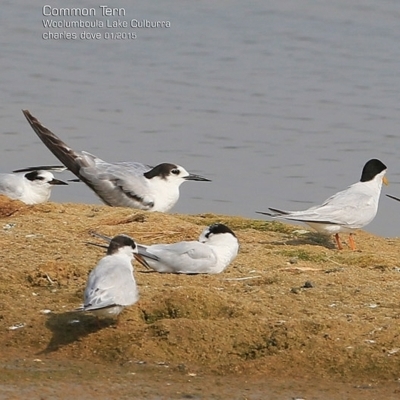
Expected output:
{"points": [[280, 103]]}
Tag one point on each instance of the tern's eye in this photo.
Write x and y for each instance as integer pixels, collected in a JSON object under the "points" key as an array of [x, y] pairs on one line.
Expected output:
{"points": [[40, 178], [175, 171]]}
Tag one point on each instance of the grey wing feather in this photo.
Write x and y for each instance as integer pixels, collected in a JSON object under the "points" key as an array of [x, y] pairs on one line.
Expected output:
{"points": [[121, 182], [55, 168], [65, 154], [109, 285], [10, 185], [184, 257], [107, 180], [341, 208]]}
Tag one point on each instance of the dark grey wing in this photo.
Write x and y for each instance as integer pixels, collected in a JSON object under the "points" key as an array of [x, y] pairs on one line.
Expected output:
{"points": [[275, 212], [118, 184], [55, 168], [64, 153]]}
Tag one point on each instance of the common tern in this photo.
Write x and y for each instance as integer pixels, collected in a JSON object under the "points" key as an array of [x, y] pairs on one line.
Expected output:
{"points": [[119, 184], [215, 250], [111, 285], [32, 187], [345, 211]]}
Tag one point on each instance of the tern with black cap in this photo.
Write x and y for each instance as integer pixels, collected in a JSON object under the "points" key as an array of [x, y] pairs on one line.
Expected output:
{"points": [[119, 184], [345, 211], [30, 187], [211, 254], [111, 285]]}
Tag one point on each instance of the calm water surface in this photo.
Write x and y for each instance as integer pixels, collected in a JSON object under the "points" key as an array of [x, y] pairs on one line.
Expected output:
{"points": [[279, 103]]}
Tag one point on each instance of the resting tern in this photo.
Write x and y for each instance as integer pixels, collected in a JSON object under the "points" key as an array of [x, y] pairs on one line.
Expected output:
{"points": [[119, 184], [111, 285], [215, 250], [32, 187], [345, 211]]}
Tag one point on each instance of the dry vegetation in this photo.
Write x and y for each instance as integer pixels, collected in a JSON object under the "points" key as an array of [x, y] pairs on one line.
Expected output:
{"points": [[289, 305]]}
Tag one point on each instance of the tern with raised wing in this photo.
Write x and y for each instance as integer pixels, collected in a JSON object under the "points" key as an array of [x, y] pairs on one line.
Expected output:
{"points": [[119, 184]]}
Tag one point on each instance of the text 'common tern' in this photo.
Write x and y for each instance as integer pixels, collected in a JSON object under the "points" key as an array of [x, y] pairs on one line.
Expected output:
{"points": [[345, 211], [32, 187], [119, 184]]}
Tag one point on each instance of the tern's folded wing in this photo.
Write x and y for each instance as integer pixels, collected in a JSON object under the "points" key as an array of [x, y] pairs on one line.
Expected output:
{"points": [[120, 184], [345, 208], [110, 285], [183, 257], [11, 186]]}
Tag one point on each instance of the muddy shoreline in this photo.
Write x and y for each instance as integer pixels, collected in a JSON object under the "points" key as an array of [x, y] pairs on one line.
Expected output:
{"points": [[290, 305]]}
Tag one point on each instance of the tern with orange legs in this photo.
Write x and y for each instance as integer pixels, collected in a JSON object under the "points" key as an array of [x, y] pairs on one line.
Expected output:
{"points": [[345, 211]]}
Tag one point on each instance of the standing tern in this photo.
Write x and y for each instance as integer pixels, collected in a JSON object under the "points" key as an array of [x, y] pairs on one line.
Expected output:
{"points": [[345, 211], [119, 184], [33, 187], [111, 285], [215, 250]]}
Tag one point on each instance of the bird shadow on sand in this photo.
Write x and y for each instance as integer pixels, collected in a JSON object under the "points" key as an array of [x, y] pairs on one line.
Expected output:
{"points": [[310, 238], [70, 327]]}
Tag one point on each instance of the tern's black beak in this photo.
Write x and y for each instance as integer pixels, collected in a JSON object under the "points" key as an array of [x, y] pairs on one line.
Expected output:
{"points": [[142, 255], [142, 251], [393, 197], [57, 182], [192, 177]]}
